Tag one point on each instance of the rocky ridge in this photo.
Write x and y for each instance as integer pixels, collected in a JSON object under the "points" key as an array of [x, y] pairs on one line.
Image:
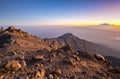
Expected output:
{"points": [[16, 39]]}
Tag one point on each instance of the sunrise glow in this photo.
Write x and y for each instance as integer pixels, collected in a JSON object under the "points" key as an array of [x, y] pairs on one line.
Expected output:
{"points": [[62, 12]]}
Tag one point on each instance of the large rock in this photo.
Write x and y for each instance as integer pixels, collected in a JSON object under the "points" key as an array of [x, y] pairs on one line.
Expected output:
{"points": [[10, 28], [50, 76], [40, 74], [99, 57], [38, 57], [13, 65], [69, 61], [58, 72]]}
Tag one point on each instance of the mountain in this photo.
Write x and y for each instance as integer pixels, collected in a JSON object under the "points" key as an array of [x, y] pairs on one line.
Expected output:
{"points": [[23, 56], [76, 43], [105, 24], [108, 27]]}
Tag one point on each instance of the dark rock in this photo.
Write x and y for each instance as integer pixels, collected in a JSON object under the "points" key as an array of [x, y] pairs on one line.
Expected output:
{"points": [[10, 29], [99, 57]]}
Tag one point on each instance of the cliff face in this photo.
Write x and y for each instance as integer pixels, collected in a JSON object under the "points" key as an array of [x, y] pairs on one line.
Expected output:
{"points": [[23, 56]]}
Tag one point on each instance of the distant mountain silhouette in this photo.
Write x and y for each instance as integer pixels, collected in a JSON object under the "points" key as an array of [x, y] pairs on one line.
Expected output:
{"points": [[105, 24]]}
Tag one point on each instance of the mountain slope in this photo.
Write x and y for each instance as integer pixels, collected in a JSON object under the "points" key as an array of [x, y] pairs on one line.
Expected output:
{"points": [[56, 64], [115, 61], [23, 56], [76, 43], [16, 39]]}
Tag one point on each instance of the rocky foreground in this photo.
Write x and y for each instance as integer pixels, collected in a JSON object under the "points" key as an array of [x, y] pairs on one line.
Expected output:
{"points": [[23, 56]]}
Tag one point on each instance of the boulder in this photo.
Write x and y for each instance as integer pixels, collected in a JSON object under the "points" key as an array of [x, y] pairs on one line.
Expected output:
{"points": [[69, 61], [13, 65], [56, 77], [21, 57], [23, 63], [1, 76], [38, 57], [58, 71], [40, 74], [99, 57], [50, 76]]}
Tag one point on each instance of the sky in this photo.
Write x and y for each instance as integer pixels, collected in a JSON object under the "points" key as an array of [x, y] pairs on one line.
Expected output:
{"points": [[59, 12]]}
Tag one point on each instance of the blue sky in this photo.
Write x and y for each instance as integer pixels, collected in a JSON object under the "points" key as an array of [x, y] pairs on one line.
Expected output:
{"points": [[59, 12]]}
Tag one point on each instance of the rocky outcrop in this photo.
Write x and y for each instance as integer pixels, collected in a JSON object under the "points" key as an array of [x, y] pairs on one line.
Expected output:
{"points": [[16, 39], [99, 57]]}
